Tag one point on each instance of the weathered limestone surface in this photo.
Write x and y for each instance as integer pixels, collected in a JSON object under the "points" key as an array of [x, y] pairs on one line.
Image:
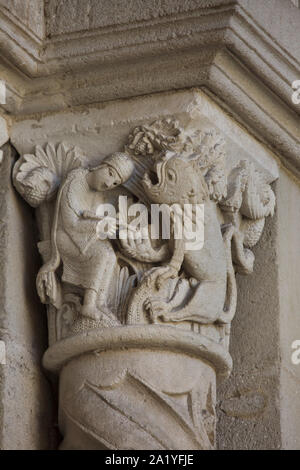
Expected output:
{"points": [[30, 14], [288, 192], [250, 401], [103, 129], [213, 41], [259, 405], [26, 402], [179, 134], [73, 71]]}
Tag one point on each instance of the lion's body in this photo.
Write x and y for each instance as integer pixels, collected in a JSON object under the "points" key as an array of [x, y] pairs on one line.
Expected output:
{"points": [[207, 265]]}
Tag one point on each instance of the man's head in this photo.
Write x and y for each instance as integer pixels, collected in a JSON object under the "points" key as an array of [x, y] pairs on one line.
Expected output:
{"points": [[113, 171]]}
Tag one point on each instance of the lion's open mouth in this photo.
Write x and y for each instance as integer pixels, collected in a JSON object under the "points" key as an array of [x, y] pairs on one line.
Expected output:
{"points": [[150, 179], [153, 178]]}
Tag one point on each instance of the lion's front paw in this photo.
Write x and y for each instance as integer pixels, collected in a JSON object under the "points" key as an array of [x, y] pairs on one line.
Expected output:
{"points": [[157, 308], [91, 312], [159, 276], [168, 273], [151, 276]]}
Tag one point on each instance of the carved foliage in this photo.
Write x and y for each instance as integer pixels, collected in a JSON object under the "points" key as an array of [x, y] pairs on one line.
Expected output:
{"points": [[37, 176]]}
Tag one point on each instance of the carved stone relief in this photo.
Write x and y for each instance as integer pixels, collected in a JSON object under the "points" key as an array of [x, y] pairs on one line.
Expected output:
{"points": [[139, 324]]}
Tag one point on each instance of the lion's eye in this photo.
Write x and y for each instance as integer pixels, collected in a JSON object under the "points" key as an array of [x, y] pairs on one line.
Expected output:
{"points": [[171, 175]]}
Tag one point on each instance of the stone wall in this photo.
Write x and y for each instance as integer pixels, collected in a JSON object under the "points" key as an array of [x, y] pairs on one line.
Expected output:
{"points": [[27, 411], [289, 296], [249, 402]]}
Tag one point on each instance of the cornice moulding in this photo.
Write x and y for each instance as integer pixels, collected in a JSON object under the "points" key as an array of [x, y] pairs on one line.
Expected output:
{"points": [[227, 26], [220, 47]]}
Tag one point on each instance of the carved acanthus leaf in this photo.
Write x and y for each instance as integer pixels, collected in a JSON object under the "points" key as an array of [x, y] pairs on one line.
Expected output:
{"points": [[164, 134], [249, 201], [248, 192]]}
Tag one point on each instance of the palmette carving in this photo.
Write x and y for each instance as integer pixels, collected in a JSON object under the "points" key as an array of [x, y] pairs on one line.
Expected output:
{"points": [[38, 176], [96, 281]]}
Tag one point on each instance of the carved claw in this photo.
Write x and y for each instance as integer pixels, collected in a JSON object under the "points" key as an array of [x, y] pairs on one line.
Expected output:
{"points": [[170, 273], [157, 308], [159, 276], [150, 276], [90, 311], [228, 231]]}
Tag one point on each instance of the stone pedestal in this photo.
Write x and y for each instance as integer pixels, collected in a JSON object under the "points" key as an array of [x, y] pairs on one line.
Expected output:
{"points": [[150, 387]]}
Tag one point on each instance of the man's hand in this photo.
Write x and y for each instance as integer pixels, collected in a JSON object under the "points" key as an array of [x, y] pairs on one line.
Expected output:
{"points": [[137, 247], [46, 286], [107, 228], [90, 215]]}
